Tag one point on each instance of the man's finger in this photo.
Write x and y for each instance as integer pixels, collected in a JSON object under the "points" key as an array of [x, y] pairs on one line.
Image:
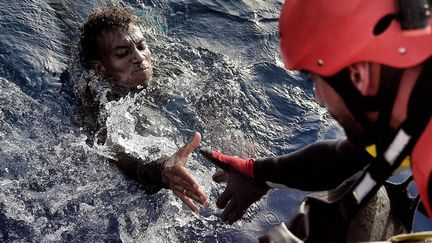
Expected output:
{"points": [[179, 181], [220, 176], [187, 201], [196, 195], [237, 214], [187, 149], [189, 183], [185, 175], [202, 196], [229, 212], [224, 198]]}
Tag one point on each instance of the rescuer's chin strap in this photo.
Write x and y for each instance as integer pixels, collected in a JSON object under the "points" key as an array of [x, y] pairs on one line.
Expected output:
{"points": [[375, 132]]}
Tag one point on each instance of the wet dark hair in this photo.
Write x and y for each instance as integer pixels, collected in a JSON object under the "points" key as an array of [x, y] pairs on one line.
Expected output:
{"points": [[106, 18]]}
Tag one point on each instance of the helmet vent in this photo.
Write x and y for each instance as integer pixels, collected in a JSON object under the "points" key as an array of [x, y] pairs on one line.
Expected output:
{"points": [[383, 24]]}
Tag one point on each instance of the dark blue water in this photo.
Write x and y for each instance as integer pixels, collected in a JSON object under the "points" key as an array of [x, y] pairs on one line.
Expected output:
{"points": [[218, 71]]}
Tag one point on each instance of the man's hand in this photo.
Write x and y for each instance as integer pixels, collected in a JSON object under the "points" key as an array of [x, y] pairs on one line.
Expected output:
{"points": [[241, 191], [180, 180]]}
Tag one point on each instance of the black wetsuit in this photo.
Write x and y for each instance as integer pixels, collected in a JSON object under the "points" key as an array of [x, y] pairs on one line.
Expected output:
{"points": [[320, 166]]}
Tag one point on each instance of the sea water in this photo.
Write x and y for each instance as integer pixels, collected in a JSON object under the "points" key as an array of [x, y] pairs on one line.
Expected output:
{"points": [[217, 71]]}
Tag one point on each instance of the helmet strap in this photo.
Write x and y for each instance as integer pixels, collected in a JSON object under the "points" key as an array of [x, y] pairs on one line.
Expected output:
{"points": [[358, 104], [419, 104], [387, 93]]}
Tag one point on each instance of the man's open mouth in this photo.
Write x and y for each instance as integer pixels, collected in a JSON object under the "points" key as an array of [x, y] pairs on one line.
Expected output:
{"points": [[140, 68]]}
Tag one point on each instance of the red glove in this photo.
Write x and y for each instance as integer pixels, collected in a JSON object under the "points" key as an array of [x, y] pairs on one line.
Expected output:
{"points": [[226, 162]]}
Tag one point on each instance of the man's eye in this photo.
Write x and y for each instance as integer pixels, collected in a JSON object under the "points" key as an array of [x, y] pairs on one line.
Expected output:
{"points": [[142, 46], [120, 54], [311, 77]]}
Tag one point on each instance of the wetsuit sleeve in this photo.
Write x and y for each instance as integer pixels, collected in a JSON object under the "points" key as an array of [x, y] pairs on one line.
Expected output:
{"points": [[319, 166], [148, 175]]}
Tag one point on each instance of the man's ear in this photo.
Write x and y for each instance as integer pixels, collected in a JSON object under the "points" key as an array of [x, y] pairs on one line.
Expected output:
{"points": [[98, 67], [360, 76]]}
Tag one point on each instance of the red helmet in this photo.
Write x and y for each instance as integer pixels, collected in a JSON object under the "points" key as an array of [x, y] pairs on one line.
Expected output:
{"points": [[324, 36]]}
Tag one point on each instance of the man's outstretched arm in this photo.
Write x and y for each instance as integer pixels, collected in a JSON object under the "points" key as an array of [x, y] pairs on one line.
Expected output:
{"points": [[166, 172]]}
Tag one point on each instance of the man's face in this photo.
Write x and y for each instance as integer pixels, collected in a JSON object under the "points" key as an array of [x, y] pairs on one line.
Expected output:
{"points": [[125, 57], [326, 95]]}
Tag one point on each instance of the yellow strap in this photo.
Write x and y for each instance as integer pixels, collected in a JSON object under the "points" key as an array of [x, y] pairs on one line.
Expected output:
{"points": [[371, 149], [425, 236]]}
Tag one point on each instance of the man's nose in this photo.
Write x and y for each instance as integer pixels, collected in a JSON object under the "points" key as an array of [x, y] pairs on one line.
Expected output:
{"points": [[137, 55], [316, 89], [316, 93]]}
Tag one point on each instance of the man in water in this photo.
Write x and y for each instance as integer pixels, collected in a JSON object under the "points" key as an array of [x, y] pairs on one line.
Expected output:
{"points": [[112, 44], [370, 64]]}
